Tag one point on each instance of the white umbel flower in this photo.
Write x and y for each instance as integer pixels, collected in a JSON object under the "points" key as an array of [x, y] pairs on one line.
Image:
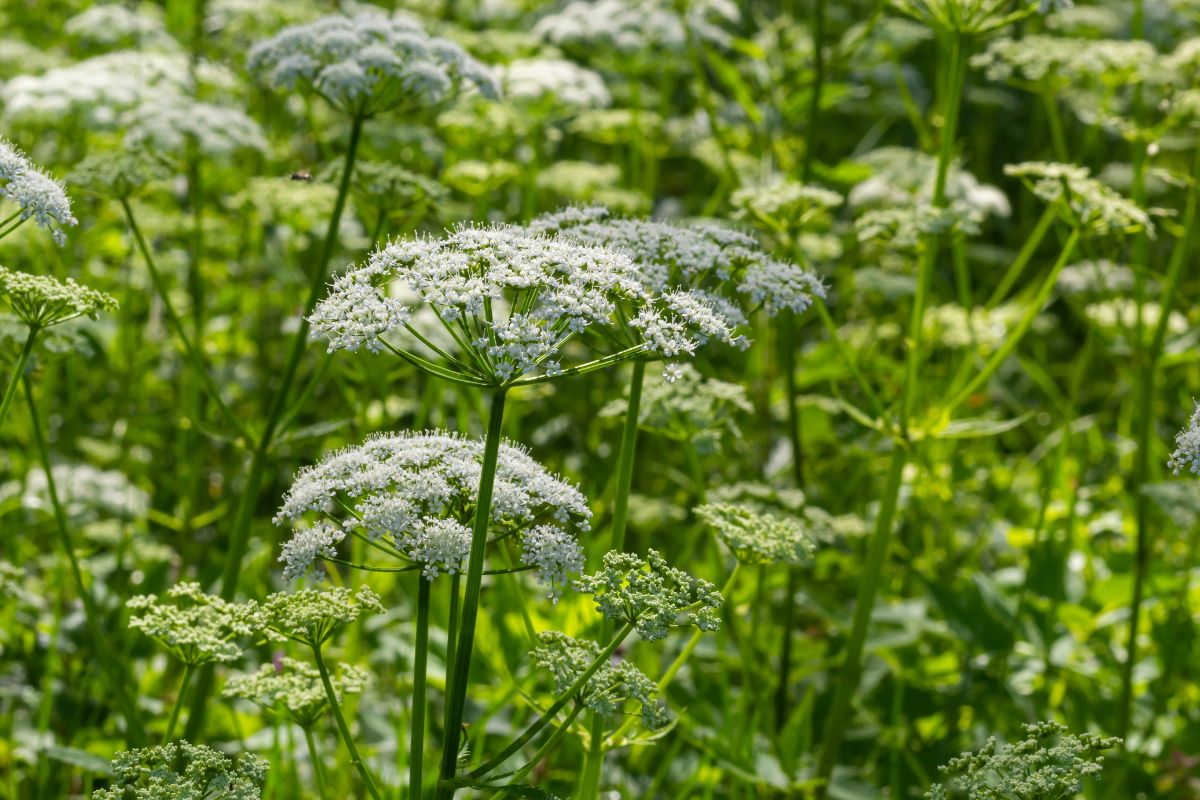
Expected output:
{"points": [[168, 123], [369, 63], [553, 81], [38, 196], [1186, 456], [416, 493], [510, 298]]}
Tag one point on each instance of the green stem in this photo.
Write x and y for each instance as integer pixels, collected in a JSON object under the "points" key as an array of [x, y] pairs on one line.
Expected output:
{"points": [[103, 644], [456, 696], [248, 498], [318, 768], [814, 100], [542, 752], [343, 728], [169, 733], [416, 744], [1143, 417], [1024, 255], [546, 716], [625, 460], [189, 347], [18, 372], [1014, 337], [589, 782], [868, 585]]}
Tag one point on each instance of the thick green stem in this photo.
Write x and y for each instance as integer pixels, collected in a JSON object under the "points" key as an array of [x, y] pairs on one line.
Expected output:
{"points": [[248, 499], [318, 768], [169, 733], [456, 696], [1144, 422], [342, 727], [868, 585], [416, 739], [18, 372], [103, 644]]}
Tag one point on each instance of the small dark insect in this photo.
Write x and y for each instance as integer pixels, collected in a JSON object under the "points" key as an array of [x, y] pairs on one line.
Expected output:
{"points": [[302, 175]]}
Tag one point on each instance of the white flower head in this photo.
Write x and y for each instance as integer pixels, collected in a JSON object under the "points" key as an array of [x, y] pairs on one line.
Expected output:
{"points": [[168, 123], [1186, 456], [415, 493], [38, 196], [553, 81], [41, 301], [369, 63], [511, 298]]}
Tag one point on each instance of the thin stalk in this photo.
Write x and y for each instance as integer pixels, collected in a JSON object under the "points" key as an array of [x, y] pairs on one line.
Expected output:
{"points": [[416, 739], [343, 728], [247, 500], [456, 696], [589, 782], [542, 752], [18, 372], [877, 549], [134, 732], [546, 716], [189, 347], [1143, 417], [625, 460], [1014, 337], [169, 733], [1024, 255], [318, 768]]}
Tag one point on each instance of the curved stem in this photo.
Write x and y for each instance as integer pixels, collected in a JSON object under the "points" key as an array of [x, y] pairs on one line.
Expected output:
{"points": [[416, 739], [169, 733], [18, 372], [103, 645], [456, 696], [343, 728]]}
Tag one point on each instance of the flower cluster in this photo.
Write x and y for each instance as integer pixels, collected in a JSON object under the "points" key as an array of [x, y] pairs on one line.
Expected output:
{"points": [[416, 493], [110, 24], [1048, 762], [1093, 205], [369, 63], [387, 187], [295, 687], [610, 688], [784, 201], [689, 408], [634, 27], [85, 491], [1187, 447], [310, 616], [1063, 61], [184, 771], [757, 536], [195, 627], [120, 174], [41, 301], [511, 298], [553, 81], [38, 196], [650, 595], [170, 122]]}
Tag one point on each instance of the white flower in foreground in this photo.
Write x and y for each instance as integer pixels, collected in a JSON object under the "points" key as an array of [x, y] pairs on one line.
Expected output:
{"points": [[1186, 456], [183, 770], [38, 196], [555, 80], [414, 494], [369, 63], [511, 299]]}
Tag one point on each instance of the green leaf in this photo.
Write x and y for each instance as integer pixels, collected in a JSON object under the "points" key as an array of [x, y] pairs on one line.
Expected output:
{"points": [[79, 758]]}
